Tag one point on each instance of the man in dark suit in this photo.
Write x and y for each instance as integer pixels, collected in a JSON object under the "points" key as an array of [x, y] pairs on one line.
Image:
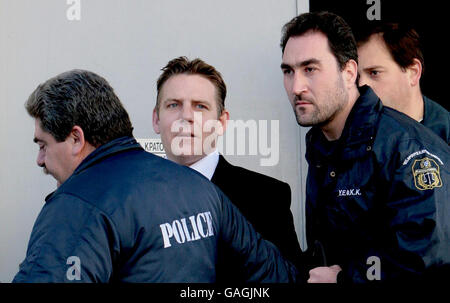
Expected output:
{"points": [[190, 115], [263, 200]]}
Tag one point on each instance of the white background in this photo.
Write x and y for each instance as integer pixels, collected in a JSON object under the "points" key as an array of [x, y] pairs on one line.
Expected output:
{"points": [[128, 42]]}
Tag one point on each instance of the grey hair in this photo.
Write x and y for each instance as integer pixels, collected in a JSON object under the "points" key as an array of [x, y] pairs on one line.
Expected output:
{"points": [[82, 98]]}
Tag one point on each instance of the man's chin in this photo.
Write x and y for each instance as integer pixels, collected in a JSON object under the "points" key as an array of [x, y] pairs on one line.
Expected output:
{"points": [[305, 122], [186, 147], [46, 172], [308, 120], [186, 160]]}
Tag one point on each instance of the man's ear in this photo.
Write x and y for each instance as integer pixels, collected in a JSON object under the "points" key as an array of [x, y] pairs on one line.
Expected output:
{"points": [[414, 72], [77, 140], [223, 119], [350, 73], [156, 121]]}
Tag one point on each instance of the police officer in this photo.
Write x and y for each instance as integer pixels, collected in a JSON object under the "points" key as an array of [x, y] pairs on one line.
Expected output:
{"points": [[377, 184], [120, 214], [391, 63]]}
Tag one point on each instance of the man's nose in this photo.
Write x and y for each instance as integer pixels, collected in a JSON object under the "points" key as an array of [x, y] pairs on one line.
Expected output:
{"points": [[187, 114], [40, 161], [299, 85]]}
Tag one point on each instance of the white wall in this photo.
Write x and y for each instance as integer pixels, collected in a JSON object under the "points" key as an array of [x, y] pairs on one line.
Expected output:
{"points": [[128, 42]]}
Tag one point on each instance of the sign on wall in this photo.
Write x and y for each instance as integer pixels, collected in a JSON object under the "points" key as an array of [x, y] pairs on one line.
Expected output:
{"points": [[153, 145]]}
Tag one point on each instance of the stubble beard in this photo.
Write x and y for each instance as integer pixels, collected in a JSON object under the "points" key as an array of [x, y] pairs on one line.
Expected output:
{"points": [[320, 116]]}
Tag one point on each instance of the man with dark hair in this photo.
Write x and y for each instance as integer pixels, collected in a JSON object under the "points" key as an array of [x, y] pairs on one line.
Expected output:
{"points": [[377, 185], [120, 213], [190, 96], [82, 119], [391, 63]]}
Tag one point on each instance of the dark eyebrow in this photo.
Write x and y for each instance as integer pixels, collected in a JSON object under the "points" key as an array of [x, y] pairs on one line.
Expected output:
{"points": [[301, 64], [170, 100], [178, 100], [368, 68], [200, 101], [285, 66]]}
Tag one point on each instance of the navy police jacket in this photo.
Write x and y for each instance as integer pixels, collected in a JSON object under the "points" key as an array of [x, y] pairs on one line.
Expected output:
{"points": [[377, 198], [436, 118], [127, 215]]}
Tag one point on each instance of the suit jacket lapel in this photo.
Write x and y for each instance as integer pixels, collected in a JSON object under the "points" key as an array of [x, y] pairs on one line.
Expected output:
{"points": [[221, 173]]}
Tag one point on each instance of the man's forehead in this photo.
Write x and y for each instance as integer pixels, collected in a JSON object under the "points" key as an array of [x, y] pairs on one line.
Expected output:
{"points": [[37, 127], [196, 80], [184, 87], [374, 52], [375, 43], [40, 135], [312, 44]]}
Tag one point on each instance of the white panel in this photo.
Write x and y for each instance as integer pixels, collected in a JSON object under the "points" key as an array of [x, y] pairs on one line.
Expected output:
{"points": [[302, 6]]}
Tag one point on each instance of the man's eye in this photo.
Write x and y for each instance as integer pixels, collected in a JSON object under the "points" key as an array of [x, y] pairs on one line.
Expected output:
{"points": [[286, 71], [201, 106], [172, 105], [374, 73], [309, 69]]}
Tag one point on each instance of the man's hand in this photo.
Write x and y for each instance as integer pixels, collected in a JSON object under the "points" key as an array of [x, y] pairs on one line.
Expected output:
{"points": [[324, 274]]}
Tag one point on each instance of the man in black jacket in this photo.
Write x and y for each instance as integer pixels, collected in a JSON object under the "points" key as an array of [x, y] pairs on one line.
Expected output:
{"points": [[377, 186], [120, 214], [189, 115]]}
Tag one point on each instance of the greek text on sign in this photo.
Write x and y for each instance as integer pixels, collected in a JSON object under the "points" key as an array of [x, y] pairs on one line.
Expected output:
{"points": [[153, 145]]}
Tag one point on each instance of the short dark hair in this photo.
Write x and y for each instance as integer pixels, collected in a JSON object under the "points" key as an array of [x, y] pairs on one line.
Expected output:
{"points": [[82, 98], [402, 41], [183, 65], [340, 37]]}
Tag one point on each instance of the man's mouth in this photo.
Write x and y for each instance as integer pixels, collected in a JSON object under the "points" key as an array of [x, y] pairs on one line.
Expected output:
{"points": [[187, 135], [302, 102]]}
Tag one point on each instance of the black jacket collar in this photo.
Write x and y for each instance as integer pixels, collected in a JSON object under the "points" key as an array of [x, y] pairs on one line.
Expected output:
{"points": [[113, 147], [221, 165], [359, 130]]}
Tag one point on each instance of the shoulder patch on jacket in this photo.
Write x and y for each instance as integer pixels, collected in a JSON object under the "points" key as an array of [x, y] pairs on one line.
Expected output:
{"points": [[421, 152], [426, 174]]}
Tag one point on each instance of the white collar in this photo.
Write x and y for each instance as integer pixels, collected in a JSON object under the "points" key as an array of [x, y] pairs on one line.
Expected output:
{"points": [[207, 165]]}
